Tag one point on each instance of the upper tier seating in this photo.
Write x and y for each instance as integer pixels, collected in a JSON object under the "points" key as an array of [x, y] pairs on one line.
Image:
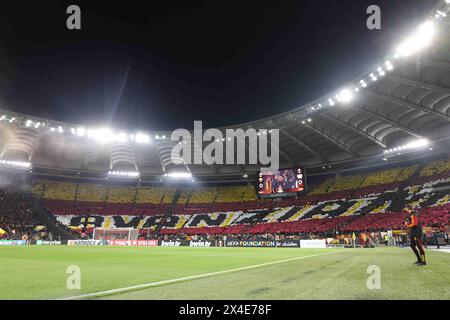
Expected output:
{"points": [[407, 173], [151, 195], [169, 195], [236, 194], [435, 168], [69, 198], [91, 193], [366, 183], [227, 194], [55, 190], [203, 195], [381, 177], [121, 194], [338, 184]]}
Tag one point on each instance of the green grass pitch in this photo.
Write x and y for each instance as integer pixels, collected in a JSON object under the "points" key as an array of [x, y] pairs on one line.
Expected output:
{"points": [[35, 272]]}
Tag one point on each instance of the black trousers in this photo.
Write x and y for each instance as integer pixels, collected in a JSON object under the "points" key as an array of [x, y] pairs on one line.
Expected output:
{"points": [[417, 248]]}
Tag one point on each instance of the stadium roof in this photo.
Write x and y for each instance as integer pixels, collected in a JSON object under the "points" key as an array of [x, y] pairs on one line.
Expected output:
{"points": [[403, 99]]}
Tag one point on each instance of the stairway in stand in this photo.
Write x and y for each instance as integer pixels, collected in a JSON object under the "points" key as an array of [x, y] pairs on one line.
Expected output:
{"points": [[169, 211]]}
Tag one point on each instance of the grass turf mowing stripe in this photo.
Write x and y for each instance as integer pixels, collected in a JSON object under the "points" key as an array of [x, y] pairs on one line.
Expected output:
{"points": [[177, 280]]}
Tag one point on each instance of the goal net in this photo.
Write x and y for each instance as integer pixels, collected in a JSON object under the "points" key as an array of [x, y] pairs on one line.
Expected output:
{"points": [[115, 234]]}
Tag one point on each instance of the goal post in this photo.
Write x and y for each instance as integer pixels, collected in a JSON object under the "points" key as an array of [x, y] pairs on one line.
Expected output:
{"points": [[115, 234]]}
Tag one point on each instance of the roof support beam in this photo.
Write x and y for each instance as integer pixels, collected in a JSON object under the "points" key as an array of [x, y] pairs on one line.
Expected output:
{"points": [[303, 145], [391, 122], [418, 84], [284, 154], [355, 129], [433, 63], [330, 138], [407, 104], [281, 151]]}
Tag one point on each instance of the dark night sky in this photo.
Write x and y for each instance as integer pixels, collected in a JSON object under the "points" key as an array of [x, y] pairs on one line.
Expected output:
{"points": [[166, 64]]}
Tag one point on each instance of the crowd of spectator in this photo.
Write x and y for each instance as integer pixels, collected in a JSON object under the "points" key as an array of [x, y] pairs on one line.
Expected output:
{"points": [[17, 218]]}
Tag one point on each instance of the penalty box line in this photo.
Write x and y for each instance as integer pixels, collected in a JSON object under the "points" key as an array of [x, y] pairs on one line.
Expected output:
{"points": [[195, 277]]}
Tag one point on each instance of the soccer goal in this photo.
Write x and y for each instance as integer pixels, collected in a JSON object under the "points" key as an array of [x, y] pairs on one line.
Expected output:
{"points": [[115, 234]]}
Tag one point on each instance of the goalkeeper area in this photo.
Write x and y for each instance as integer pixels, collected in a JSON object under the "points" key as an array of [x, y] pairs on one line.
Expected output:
{"points": [[115, 234], [180, 273]]}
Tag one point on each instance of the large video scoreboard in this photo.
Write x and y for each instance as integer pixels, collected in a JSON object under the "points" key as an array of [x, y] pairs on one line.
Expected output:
{"points": [[284, 183]]}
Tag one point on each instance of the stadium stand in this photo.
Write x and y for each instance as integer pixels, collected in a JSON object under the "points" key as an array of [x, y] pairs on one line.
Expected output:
{"points": [[17, 218], [355, 202], [121, 194], [91, 193], [373, 212], [435, 168], [149, 195]]}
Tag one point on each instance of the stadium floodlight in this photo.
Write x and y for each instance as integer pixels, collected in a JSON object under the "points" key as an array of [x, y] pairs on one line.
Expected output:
{"points": [[90, 133], [415, 145], [15, 164], [124, 174], [28, 123], [440, 14], [419, 40], [103, 135], [60, 129], [346, 95], [12, 120], [381, 72], [122, 137], [331, 102], [179, 175], [389, 66], [142, 138], [363, 83], [81, 132]]}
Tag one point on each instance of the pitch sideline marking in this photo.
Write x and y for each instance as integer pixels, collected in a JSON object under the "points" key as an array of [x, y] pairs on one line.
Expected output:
{"points": [[199, 276]]}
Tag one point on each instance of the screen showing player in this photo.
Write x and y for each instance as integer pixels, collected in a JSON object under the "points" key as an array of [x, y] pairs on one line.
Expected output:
{"points": [[283, 182]]}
